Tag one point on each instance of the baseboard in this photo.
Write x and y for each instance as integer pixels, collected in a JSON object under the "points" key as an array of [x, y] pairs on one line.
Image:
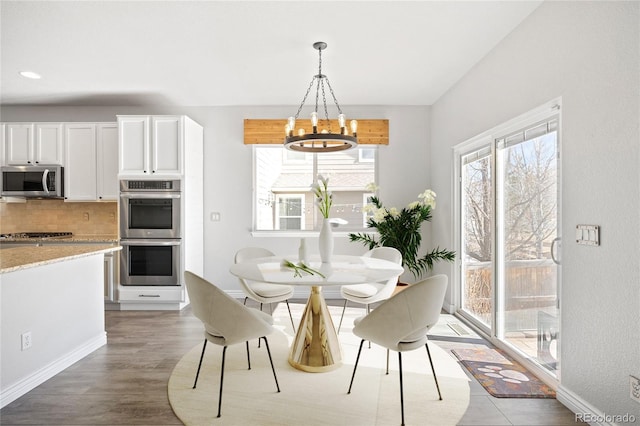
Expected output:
{"points": [[582, 409], [43, 374]]}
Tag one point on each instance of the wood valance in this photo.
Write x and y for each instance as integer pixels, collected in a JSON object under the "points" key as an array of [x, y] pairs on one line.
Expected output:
{"points": [[259, 131]]}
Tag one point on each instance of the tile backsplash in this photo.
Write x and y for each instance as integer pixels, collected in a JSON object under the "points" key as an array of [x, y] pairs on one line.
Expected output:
{"points": [[58, 216]]}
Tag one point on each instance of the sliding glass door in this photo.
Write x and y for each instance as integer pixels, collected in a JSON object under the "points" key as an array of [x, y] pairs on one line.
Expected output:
{"points": [[477, 241], [509, 239], [527, 232]]}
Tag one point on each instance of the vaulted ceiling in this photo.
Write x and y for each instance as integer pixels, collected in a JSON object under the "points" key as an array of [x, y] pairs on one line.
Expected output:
{"points": [[244, 52]]}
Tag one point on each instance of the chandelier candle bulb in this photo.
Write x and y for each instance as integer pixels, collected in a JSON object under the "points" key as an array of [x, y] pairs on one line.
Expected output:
{"points": [[354, 127], [342, 121]]}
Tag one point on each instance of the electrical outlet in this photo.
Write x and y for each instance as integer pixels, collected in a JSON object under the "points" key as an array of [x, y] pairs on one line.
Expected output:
{"points": [[85, 215], [26, 340], [634, 388]]}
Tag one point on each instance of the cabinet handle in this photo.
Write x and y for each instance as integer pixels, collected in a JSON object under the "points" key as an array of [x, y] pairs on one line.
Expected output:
{"points": [[148, 295]]}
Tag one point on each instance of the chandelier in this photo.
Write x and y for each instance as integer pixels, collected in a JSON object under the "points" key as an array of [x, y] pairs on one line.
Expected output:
{"points": [[323, 140]]}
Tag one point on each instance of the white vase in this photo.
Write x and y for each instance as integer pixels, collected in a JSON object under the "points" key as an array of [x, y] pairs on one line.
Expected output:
{"points": [[302, 252], [325, 243]]}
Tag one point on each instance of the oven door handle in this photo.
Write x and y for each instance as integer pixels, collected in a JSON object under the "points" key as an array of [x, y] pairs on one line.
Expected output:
{"points": [[150, 242], [147, 195]]}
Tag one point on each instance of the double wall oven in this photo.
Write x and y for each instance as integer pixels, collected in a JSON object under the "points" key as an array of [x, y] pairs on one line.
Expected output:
{"points": [[150, 232]]}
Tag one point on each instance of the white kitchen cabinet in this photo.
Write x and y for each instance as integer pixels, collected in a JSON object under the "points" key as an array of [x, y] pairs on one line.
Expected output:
{"points": [[107, 161], [151, 145], [80, 173], [3, 141], [91, 162], [34, 143], [110, 284]]}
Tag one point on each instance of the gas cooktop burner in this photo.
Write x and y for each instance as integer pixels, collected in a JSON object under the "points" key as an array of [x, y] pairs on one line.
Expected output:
{"points": [[39, 235]]}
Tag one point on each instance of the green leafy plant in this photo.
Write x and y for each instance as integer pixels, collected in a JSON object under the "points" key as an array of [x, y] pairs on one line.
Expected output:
{"points": [[401, 229]]}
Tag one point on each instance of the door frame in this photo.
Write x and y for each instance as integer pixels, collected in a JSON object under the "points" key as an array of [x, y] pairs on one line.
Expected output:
{"points": [[488, 138]]}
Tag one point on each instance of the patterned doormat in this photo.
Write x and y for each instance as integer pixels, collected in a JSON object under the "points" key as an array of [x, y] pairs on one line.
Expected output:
{"points": [[500, 375]]}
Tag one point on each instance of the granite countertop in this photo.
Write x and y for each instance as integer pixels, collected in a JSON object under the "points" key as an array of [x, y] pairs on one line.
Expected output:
{"points": [[17, 258], [108, 238], [80, 238]]}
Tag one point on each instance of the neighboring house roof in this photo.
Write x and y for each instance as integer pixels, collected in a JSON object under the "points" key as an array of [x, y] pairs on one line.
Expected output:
{"points": [[337, 182]]}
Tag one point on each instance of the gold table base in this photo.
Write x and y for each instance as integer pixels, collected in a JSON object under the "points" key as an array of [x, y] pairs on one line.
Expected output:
{"points": [[316, 348]]}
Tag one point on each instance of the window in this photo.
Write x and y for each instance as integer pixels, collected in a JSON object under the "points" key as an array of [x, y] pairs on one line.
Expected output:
{"points": [[290, 212], [366, 154], [283, 200]]}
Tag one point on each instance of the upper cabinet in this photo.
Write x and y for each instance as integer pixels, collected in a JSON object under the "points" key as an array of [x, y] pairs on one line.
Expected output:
{"points": [[107, 160], [33, 143], [151, 145], [91, 162], [3, 143], [80, 172]]}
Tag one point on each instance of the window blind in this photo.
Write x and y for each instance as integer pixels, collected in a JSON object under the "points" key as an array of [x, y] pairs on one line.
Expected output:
{"points": [[530, 132]]}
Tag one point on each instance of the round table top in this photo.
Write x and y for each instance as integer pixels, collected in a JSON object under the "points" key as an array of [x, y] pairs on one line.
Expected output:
{"points": [[343, 270]]}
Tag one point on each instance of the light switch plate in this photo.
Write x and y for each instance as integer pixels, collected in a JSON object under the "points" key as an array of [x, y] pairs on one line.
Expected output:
{"points": [[634, 388], [588, 235]]}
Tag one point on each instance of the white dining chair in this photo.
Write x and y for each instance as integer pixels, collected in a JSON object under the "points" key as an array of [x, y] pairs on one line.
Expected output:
{"points": [[226, 322], [263, 292], [401, 323], [369, 293]]}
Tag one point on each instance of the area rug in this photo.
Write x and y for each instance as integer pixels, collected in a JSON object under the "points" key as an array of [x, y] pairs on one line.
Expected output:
{"points": [[500, 375], [250, 397]]}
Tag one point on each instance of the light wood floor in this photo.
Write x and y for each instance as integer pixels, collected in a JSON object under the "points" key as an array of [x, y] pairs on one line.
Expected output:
{"points": [[125, 382]]}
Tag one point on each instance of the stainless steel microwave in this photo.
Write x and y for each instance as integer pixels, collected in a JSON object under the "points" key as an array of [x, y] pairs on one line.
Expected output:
{"points": [[41, 181]]}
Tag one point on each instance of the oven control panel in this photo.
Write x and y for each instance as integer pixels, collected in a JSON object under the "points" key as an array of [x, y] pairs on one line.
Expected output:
{"points": [[149, 185]]}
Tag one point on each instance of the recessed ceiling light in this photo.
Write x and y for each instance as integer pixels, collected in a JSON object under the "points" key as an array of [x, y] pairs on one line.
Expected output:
{"points": [[30, 74]]}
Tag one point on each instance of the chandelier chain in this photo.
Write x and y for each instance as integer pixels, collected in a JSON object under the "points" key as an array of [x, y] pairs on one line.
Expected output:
{"points": [[326, 111], [304, 100], [333, 95]]}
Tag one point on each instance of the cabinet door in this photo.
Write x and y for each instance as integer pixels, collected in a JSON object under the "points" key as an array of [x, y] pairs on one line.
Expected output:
{"points": [[166, 149], [48, 143], [19, 144], [109, 277], [133, 136], [3, 144], [107, 161], [80, 165]]}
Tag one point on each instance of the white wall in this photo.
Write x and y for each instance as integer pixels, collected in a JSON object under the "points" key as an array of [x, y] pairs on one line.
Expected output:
{"points": [[588, 53], [403, 171], [63, 312]]}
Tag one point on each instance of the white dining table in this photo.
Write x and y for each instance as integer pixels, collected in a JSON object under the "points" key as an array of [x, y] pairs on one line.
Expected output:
{"points": [[316, 347]]}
